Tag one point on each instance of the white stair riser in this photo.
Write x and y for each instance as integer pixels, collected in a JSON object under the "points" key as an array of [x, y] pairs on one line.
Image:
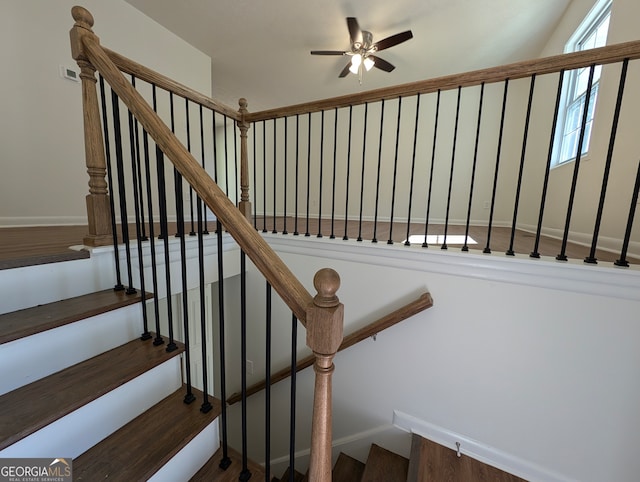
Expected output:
{"points": [[194, 455], [80, 430], [29, 359], [37, 285]]}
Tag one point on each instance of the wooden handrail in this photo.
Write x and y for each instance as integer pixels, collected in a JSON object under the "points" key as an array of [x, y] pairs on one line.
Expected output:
{"points": [[414, 307], [603, 55], [148, 75], [292, 292]]}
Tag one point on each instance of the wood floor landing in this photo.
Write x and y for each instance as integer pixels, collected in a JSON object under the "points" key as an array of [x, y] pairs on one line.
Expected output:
{"points": [[31, 246], [39, 245]]}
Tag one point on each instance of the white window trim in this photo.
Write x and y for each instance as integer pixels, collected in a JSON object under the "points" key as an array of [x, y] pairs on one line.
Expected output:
{"points": [[599, 9]]}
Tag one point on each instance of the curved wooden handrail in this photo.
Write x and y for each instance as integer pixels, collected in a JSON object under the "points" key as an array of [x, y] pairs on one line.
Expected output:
{"points": [[414, 307], [547, 65], [148, 75], [292, 292]]}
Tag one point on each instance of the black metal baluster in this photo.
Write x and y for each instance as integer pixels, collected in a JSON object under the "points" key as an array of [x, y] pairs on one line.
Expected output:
{"points": [[465, 247], [267, 389], [453, 160], [413, 166], [206, 404], [346, 191], [275, 178], [545, 183], [632, 212], [158, 340], [562, 256], [364, 149], [143, 233], [206, 229], [605, 177], [226, 156], [295, 223], [335, 154], [245, 474], [510, 251], [114, 231], [375, 216], [135, 165], [308, 172], [255, 170], [264, 176], [292, 412], [433, 162], [188, 126], [395, 173], [235, 164], [286, 188], [226, 460], [321, 162], [117, 134], [189, 397], [162, 199], [487, 248], [177, 178]]}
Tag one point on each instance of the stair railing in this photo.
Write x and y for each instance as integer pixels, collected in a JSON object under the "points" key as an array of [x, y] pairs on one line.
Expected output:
{"points": [[322, 315], [470, 154]]}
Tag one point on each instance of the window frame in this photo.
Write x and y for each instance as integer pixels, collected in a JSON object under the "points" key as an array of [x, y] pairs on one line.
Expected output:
{"points": [[599, 12]]}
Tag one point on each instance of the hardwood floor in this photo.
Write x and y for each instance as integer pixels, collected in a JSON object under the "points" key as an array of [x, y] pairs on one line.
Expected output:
{"points": [[39, 245]]}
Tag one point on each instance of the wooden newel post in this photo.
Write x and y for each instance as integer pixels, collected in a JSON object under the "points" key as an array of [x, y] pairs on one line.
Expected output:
{"points": [[324, 335], [98, 207], [243, 125]]}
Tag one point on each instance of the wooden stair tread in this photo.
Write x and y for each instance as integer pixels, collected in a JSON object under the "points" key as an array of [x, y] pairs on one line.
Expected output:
{"points": [[297, 476], [23, 323], [33, 406], [347, 469], [432, 461], [139, 449], [385, 466], [20, 260], [211, 471]]}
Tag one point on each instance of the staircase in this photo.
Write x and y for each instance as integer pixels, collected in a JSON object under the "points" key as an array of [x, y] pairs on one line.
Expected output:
{"points": [[427, 462], [76, 382]]}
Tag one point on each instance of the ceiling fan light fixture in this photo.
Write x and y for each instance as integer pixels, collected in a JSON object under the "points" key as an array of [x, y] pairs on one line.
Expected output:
{"points": [[356, 61], [368, 63]]}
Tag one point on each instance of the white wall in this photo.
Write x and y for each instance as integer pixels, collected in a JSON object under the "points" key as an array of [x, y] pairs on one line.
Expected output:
{"points": [[535, 360], [44, 178]]}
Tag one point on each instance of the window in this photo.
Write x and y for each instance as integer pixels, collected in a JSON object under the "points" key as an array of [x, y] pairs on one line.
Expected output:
{"points": [[592, 33]]}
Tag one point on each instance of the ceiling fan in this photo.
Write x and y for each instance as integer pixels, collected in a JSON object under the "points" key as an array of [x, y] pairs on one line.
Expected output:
{"points": [[363, 49]]}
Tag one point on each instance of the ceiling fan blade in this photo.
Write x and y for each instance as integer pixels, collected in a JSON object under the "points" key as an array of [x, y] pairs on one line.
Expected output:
{"points": [[393, 40], [382, 64], [345, 71], [354, 30], [328, 52]]}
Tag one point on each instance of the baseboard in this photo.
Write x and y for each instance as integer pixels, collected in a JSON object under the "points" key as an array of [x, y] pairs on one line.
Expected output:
{"points": [[477, 450]]}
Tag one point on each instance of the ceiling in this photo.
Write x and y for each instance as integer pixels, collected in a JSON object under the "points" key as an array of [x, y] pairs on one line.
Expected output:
{"points": [[260, 49]]}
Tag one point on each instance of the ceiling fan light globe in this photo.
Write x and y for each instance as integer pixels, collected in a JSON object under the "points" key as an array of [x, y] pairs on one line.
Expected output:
{"points": [[368, 63], [356, 60], [354, 68]]}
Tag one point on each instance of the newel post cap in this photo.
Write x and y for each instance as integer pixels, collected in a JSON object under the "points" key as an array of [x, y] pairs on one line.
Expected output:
{"points": [[82, 16], [81, 28], [325, 315]]}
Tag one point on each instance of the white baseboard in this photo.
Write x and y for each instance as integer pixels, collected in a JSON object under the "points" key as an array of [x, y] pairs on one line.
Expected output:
{"points": [[477, 450]]}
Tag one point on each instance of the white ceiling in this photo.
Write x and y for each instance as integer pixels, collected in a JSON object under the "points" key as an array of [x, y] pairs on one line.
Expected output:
{"points": [[260, 48]]}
